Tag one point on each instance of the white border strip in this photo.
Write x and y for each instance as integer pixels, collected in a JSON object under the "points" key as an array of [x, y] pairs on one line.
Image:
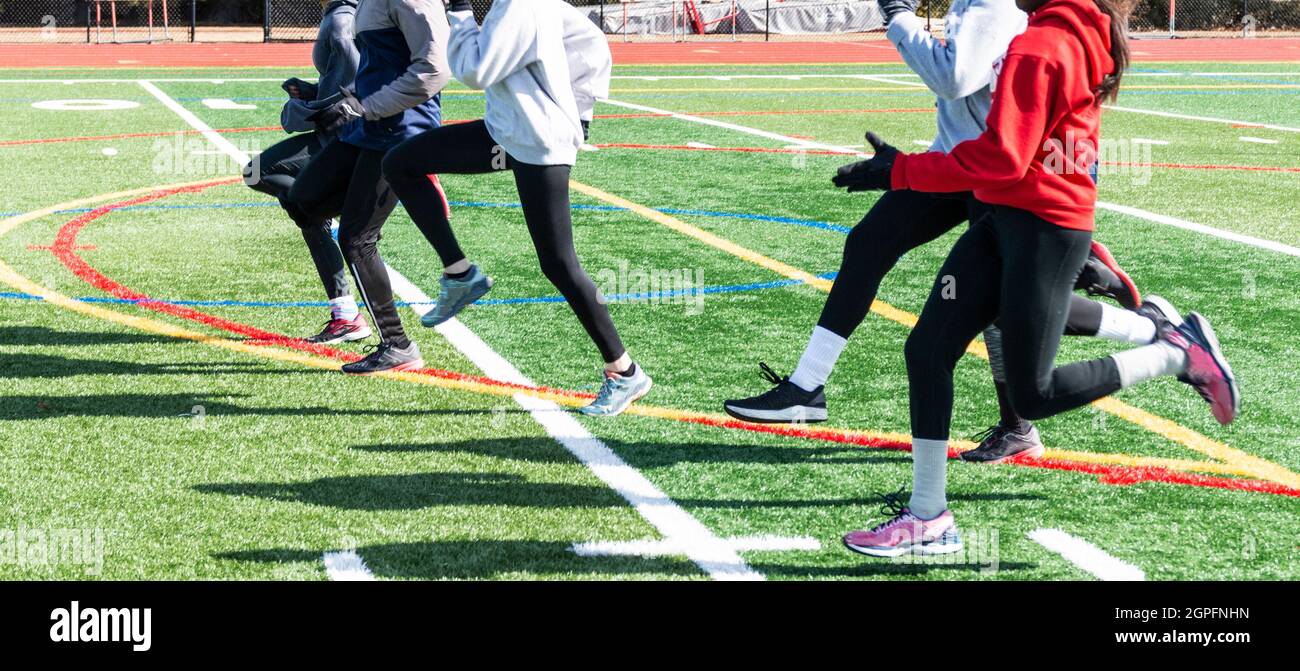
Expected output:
{"points": [[713, 555], [666, 548], [1086, 556]]}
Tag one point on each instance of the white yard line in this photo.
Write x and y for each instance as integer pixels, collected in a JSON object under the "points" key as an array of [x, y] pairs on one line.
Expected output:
{"points": [[883, 80], [1193, 117], [1201, 228], [1086, 556], [1122, 209], [806, 144], [713, 555], [1256, 140]]}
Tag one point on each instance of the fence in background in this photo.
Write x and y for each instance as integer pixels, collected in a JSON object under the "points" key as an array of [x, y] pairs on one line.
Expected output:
{"points": [[92, 21]]}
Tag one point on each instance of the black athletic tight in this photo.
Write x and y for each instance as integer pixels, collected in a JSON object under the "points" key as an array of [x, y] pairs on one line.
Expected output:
{"points": [[348, 182], [543, 191], [1019, 270], [273, 172]]}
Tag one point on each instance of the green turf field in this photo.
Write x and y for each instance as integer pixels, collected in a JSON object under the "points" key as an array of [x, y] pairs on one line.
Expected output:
{"points": [[201, 457]]}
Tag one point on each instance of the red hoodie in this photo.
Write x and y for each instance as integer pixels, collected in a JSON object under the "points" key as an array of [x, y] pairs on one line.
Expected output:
{"points": [[1043, 126]]}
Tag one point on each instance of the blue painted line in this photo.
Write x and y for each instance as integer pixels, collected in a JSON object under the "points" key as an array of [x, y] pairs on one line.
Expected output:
{"points": [[628, 297]]}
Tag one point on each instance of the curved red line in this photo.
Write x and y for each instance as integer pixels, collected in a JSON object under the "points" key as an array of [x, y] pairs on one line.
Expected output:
{"points": [[65, 246]]}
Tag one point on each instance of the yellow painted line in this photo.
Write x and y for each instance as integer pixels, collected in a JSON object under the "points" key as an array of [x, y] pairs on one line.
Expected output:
{"points": [[11, 277], [1245, 463], [773, 89]]}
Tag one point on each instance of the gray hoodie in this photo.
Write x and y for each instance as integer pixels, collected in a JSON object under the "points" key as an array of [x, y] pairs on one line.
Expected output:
{"points": [[335, 57], [960, 70]]}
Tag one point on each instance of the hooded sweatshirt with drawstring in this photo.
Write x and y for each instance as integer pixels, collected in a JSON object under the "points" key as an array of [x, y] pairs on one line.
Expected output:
{"points": [[1043, 127]]}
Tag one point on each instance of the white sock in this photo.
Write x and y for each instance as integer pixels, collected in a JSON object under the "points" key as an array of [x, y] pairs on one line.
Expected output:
{"points": [[1147, 363], [344, 307], [929, 478], [818, 359], [1125, 326]]}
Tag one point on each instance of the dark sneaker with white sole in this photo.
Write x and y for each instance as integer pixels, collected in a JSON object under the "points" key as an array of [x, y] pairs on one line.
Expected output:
{"points": [[1162, 312], [786, 403], [998, 444], [342, 330], [384, 358]]}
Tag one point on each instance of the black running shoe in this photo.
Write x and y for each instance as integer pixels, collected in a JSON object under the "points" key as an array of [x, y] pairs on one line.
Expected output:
{"points": [[384, 358], [998, 444], [786, 403], [1103, 276], [1162, 312]]}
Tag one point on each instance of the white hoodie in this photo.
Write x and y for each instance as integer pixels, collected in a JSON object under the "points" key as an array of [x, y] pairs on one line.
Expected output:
{"points": [[541, 65]]}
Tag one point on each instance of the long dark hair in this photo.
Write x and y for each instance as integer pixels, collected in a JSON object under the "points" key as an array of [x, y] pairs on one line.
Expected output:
{"points": [[1108, 91]]}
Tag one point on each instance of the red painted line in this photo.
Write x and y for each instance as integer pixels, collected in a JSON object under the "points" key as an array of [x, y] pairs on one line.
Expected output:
{"points": [[65, 247], [797, 112], [127, 136], [766, 150], [746, 150]]}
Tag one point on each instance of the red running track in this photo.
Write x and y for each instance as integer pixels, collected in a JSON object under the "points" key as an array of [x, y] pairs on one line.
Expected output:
{"points": [[695, 53]]}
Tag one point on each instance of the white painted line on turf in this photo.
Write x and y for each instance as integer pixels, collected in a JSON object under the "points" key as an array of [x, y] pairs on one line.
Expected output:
{"points": [[881, 79], [1256, 140], [922, 143], [1192, 117], [1122, 209], [1142, 140], [196, 123], [678, 527], [701, 546], [1086, 556], [667, 548], [805, 144], [1200, 228], [226, 104], [700, 145], [347, 566]]}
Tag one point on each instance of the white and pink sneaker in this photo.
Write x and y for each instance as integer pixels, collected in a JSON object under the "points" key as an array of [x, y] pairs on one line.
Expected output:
{"points": [[906, 533], [1207, 369]]}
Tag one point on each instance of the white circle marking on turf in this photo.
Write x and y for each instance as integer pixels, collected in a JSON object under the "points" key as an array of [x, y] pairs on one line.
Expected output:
{"points": [[85, 105]]}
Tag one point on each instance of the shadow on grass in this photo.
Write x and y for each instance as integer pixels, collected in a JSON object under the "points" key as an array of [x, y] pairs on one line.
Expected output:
{"points": [[644, 455], [31, 336], [469, 560], [175, 405], [414, 491], [42, 366], [871, 567]]}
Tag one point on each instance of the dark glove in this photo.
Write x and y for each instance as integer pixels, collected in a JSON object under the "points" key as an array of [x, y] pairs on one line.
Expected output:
{"points": [[891, 8], [586, 130], [872, 174], [459, 6], [342, 112], [299, 89]]}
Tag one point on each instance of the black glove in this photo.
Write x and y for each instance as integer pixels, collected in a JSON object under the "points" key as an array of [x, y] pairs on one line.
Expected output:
{"points": [[872, 174], [342, 112], [891, 8], [586, 130], [459, 6], [299, 89]]}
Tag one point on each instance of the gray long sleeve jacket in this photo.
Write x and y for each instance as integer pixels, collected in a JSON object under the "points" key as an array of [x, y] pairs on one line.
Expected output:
{"points": [[335, 57], [960, 70]]}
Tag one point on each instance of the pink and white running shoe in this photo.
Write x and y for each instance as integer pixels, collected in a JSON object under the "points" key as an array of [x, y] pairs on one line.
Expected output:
{"points": [[906, 533], [1207, 369]]}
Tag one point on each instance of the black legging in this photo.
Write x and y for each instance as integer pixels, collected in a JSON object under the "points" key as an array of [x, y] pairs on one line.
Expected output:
{"points": [[273, 172], [1017, 269], [347, 181], [468, 149]]}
